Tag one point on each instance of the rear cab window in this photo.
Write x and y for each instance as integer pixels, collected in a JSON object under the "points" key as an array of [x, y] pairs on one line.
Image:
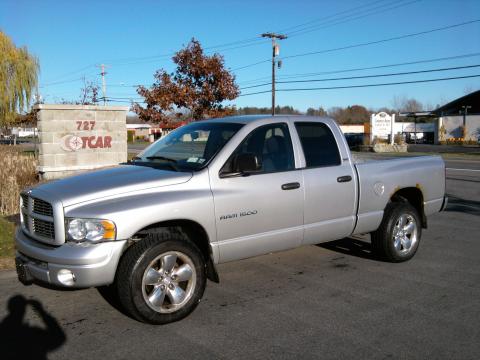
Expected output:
{"points": [[318, 143]]}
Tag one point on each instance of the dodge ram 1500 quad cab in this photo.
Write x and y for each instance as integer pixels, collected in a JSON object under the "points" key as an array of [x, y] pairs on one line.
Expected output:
{"points": [[216, 191]]}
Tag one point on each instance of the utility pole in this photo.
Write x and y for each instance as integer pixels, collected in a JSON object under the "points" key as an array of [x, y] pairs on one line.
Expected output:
{"points": [[275, 53], [465, 112], [104, 84]]}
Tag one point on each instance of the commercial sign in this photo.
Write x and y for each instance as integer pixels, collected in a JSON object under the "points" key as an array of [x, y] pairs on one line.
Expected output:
{"points": [[381, 125], [77, 138]]}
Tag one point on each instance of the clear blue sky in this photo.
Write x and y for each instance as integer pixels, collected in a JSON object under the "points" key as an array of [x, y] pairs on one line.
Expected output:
{"points": [[70, 37]]}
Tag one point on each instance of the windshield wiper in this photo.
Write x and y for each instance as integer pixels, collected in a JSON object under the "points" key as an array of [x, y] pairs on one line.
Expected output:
{"points": [[171, 162], [158, 157]]}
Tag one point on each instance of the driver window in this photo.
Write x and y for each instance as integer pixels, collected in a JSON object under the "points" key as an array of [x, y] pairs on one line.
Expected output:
{"points": [[272, 146]]}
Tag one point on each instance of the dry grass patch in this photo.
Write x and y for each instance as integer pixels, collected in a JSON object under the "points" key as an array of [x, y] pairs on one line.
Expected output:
{"points": [[7, 247], [17, 171]]}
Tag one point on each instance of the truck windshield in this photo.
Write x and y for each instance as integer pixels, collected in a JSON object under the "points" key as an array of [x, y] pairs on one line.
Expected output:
{"points": [[188, 148]]}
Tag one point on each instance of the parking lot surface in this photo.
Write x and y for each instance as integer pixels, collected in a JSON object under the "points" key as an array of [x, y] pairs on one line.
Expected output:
{"points": [[329, 301]]}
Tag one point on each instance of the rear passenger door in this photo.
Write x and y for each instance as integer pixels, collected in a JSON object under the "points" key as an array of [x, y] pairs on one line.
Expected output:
{"points": [[329, 185]]}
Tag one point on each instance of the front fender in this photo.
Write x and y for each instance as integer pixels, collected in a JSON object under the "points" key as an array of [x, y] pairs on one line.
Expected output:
{"points": [[135, 211]]}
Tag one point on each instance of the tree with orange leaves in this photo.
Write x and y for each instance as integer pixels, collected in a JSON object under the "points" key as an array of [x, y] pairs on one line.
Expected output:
{"points": [[200, 84]]}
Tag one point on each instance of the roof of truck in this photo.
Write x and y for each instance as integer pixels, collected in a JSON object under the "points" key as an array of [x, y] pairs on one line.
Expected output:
{"points": [[244, 119]]}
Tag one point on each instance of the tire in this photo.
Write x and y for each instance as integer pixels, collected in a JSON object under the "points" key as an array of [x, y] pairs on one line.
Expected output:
{"points": [[399, 234], [161, 279]]}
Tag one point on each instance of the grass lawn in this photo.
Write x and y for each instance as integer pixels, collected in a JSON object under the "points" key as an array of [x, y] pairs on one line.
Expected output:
{"points": [[7, 249]]}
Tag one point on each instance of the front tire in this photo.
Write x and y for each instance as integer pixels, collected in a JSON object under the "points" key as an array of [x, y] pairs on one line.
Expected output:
{"points": [[399, 234], [161, 279]]}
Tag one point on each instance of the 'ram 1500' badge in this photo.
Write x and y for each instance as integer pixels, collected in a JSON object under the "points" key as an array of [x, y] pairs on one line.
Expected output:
{"points": [[237, 215]]}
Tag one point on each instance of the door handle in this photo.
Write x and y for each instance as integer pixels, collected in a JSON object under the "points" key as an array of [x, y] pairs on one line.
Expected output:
{"points": [[291, 186], [345, 178]]}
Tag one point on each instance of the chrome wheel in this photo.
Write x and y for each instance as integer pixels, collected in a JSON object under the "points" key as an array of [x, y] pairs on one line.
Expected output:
{"points": [[405, 234], [169, 281]]}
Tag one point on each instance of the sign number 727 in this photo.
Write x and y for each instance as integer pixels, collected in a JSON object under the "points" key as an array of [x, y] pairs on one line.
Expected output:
{"points": [[85, 125]]}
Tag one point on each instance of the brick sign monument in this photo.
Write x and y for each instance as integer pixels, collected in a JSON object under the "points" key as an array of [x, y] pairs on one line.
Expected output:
{"points": [[74, 138]]}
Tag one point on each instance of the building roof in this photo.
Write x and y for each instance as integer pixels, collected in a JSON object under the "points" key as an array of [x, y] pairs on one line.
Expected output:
{"points": [[456, 107]]}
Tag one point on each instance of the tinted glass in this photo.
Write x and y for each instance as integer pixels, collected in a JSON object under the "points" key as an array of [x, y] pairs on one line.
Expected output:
{"points": [[190, 147], [272, 146], [318, 143]]}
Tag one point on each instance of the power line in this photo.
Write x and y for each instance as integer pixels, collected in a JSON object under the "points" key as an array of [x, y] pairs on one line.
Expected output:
{"points": [[288, 76], [227, 46], [230, 45], [352, 17], [366, 43], [366, 85], [383, 66], [383, 40], [287, 30], [60, 82], [366, 76]]}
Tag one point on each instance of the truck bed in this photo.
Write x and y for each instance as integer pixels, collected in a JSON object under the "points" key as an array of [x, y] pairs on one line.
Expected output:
{"points": [[379, 177]]}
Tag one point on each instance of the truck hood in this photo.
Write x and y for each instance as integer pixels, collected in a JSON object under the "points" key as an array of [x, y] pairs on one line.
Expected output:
{"points": [[109, 182]]}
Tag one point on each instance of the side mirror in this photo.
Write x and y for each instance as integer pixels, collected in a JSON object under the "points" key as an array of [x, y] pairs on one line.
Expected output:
{"points": [[246, 163]]}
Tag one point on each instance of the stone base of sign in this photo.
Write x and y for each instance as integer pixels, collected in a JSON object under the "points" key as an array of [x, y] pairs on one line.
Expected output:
{"points": [[78, 138], [382, 148]]}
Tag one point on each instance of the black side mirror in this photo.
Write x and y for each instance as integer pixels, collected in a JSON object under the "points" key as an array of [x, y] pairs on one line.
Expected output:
{"points": [[246, 163]]}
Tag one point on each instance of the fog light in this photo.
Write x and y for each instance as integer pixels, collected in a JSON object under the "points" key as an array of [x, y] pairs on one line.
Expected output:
{"points": [[66, 277]]}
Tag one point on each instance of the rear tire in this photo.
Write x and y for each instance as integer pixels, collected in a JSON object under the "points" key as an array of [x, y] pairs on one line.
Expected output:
{"points": [[161, 279], [398, 237]]}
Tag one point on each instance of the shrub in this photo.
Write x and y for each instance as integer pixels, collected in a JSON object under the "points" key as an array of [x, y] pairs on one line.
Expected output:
{"points": [[17, 171], [130, 135]]}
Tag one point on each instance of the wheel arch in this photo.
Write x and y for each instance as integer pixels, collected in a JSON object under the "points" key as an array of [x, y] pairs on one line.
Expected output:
{"points": [[414, 196], [195, 232]]}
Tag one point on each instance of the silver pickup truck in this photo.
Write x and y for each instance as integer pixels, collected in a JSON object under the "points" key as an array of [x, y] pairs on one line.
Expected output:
{"points": [[216, 191]]}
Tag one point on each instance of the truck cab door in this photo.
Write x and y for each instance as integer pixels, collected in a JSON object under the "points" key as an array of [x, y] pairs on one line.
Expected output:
{"points": [[261, 211], [330, 183]]}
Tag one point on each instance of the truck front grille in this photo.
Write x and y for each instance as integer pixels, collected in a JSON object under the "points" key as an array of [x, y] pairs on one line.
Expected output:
{"points": [[24, 201], [37, 218], [42, 207], [43, 228]]}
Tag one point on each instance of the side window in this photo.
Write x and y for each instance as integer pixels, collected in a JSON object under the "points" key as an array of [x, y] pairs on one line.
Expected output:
{"points": [[318, 143], [272, 146]]}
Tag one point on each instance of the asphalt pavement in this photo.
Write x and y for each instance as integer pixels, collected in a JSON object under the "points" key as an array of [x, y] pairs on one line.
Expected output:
{"points": [[332, 301]]}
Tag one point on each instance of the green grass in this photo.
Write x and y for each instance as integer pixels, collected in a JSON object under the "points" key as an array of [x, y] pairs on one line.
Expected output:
{"points": [[7, 247]]}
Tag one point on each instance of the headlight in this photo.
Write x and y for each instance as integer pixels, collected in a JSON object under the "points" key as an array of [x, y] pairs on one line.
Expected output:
{"points": [[92, 230]]}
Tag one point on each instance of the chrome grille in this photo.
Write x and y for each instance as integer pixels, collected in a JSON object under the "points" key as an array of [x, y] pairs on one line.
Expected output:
{"points": [[43, 228], [42, 207], [37, 218], [24, 201]]}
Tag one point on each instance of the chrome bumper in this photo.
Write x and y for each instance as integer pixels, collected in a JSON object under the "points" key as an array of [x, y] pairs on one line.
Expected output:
{"points": [[90, 264]]}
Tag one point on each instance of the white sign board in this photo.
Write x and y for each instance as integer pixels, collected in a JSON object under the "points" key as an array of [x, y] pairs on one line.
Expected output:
{"points": [[382, 125]]}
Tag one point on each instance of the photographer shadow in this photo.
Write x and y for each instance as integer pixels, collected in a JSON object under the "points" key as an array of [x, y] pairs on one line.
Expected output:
{"points": [[20, 340]]}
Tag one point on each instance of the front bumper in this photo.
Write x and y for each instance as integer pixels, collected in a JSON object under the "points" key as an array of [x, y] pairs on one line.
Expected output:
{"points": [[90, 264]]}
